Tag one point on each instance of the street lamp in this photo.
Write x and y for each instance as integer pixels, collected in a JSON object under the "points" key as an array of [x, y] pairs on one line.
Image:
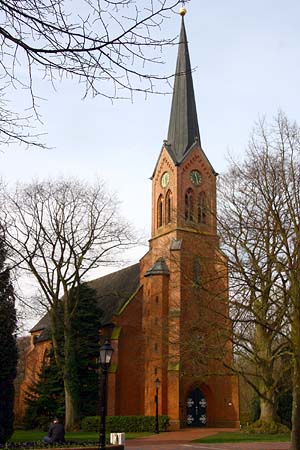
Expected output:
{"points": [[157, 386], [106, 352]]}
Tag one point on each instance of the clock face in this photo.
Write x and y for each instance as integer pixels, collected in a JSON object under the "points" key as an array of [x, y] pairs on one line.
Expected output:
{"points": [[195, 177], [165, 179]]}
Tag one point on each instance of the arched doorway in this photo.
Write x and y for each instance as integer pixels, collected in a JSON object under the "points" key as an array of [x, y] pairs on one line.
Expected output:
{"points": [[196, 409]]}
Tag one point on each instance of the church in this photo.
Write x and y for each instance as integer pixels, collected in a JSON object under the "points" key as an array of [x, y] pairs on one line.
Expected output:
{"points": [[167, 317]]}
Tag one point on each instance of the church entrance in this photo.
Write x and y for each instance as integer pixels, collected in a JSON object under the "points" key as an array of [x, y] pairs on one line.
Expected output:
{"points": [[196, 409]]}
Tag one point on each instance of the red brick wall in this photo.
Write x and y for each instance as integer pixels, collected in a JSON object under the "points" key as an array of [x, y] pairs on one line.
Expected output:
{"points": [[189, 310], [33, 360], [130, 364]]}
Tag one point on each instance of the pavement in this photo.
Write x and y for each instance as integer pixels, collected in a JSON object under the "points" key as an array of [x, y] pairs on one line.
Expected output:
{"points": [[182, 440]]}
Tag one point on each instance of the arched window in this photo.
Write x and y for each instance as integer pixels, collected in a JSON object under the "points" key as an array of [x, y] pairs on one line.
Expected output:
{"points": [[160, 211], [47, 358], [169, 207], [189, 205], [202, 208]]}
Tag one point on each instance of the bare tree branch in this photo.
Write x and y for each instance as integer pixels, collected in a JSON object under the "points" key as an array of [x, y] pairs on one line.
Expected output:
{"points": [[108, 47]]}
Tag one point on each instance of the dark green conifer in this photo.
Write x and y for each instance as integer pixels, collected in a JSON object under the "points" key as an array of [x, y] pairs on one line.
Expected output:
{"points": [[45, 398], [86, 326], [8, 348]]}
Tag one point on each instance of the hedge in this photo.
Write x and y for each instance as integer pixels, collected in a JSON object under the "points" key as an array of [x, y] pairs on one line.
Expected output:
{"points": [[125, 424]]}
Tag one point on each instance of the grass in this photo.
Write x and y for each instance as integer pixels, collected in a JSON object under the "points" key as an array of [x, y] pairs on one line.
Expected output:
{"points": [[80, 436], [224, 437]]}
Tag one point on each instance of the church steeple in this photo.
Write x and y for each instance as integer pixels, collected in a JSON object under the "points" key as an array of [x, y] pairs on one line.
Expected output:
{"points": [[183, 126]]}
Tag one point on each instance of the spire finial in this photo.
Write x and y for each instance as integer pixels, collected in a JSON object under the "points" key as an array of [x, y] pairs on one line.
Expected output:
{"points": [[182, 10]]}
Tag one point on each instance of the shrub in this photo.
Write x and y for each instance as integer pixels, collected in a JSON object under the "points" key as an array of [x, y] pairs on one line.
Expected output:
{"points": [[262, 427], [125, 424]]}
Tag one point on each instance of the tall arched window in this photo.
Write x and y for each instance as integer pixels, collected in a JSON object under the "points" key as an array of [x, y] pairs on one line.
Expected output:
{"points": [[189, 205], [202, 208], [169, 207], [160, 203], [197, 271]]}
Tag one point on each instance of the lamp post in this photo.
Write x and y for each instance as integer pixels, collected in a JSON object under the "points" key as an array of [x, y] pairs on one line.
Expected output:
{"points": [[106, 352], [157, 386]]}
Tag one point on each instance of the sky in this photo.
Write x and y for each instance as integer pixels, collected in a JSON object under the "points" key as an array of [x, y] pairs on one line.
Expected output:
{"points": [[246, 60]]}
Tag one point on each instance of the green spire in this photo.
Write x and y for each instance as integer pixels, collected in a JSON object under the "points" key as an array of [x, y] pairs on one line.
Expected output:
{"points": [[183, 127]]}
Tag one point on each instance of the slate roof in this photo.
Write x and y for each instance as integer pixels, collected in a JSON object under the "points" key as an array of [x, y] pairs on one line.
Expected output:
{"points": [[45, 335], [112, 292], [42, 324], [115, 289], [183, 126], [159, 268]]}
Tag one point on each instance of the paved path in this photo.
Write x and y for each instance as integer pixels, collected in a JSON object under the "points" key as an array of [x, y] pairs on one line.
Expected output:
{"points": [[182, 440]]}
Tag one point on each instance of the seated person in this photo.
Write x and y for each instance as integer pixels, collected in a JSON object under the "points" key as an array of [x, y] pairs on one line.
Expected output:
{"points": [[56, 432]]}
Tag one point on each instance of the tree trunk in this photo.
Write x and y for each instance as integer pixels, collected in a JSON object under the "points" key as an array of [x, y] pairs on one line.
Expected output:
{"points": [[66, 361], [266, 386], [295, 436], [72, 411], [268, 411], [71, 384]]}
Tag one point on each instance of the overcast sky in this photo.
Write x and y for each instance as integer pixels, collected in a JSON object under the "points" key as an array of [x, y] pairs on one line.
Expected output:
{"points": [[246, 57]]}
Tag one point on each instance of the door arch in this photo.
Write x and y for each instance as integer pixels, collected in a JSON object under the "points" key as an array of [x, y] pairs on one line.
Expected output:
{"points": [[196, 409]]}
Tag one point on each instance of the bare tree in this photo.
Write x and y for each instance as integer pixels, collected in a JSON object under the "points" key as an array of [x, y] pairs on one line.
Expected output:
{"points": [[260, 227], [59, 231], [257, 289], [109, 46]]}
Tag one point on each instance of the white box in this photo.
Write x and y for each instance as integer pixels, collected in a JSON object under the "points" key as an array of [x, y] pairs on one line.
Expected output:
{"points": [[117, 438]]}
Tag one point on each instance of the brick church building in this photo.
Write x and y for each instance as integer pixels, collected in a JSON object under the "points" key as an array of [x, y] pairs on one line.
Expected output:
{"points": [[167, 316]]}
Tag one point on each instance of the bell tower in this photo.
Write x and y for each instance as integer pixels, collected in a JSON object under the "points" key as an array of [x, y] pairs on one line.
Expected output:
{"points": [[184, 276], [183, 182]]}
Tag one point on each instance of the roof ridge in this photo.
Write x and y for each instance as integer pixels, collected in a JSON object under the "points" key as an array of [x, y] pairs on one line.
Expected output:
{"points": [[112, 273]]}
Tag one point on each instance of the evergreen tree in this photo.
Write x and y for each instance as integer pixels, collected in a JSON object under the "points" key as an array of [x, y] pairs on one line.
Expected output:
{"points": [[45, 398], [8, 348], [86, 326]]}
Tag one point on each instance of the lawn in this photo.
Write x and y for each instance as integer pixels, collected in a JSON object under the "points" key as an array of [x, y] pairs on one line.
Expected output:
{"points": [[239, 436], [80, 436], [225, 437]]}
